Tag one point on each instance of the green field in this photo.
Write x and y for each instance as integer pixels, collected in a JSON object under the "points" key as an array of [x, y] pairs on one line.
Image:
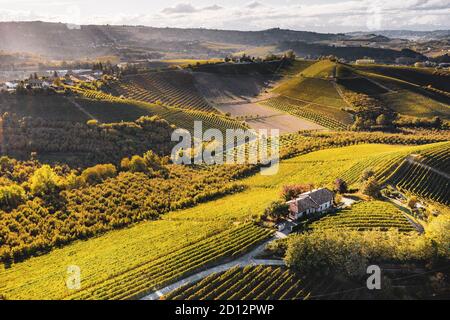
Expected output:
{"points": [[130, 262], [312, 85], [361, 85], [414, 104]]}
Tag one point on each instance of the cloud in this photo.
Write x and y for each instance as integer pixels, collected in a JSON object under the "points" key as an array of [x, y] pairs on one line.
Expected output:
{"points": [[343, 16], [180, 8], [213, 8], [254, 4]]}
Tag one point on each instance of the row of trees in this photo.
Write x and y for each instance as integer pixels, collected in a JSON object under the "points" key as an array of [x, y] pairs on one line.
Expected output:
{"points": [[348, 253], [46, 206], [91, 143]]}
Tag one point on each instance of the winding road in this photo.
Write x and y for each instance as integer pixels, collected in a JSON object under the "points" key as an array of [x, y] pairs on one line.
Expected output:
{"points": [[247, 260]]}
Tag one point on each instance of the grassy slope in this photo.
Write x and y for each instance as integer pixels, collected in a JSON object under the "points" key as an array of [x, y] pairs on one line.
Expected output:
{"points": [[419, 76], [405, 95], [118, 251], [311, 85]]}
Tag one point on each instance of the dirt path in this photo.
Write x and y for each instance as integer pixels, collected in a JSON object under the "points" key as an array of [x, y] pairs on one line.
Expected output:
{"points": [[403, 209], [341, 94], [412, 159], [247, 260], [77, 105], [263, 117]]}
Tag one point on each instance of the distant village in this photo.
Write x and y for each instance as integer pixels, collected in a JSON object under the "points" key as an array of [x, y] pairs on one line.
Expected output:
{"points": [[52, 80]]}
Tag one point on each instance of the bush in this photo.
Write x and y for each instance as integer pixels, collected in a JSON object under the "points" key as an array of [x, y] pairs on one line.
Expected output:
{"points": [[277, 210], [412, 202], [11, 197], [438, 231], [137, 164], [340, 186], [73, 181], [99, 173], [292, 191], [348, 253], [366, 174], [44, 181], [371, 188]]}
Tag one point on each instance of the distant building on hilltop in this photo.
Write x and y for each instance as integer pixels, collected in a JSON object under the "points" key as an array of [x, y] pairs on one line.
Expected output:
{"points": [[365, 61], [38, 83], [315, 201]]}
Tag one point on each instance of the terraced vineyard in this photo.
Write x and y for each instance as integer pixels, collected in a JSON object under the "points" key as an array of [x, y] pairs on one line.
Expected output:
{"points": [[366, 216], [413, 177], [437, 157], [106, 105], [171, 88], [170, 267], [263, 283], [327, 117], [185, 119], [384, 165], [249, 283], [161, 253]]}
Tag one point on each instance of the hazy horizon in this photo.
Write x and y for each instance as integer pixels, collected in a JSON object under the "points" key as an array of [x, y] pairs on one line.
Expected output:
{"points": [[222, 29], [331, 16]]}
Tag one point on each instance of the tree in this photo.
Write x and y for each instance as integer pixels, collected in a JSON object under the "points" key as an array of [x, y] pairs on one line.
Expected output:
{"points": [[371, 187], [366, 174], [359, 124], [11, 197], [98, 173], [277, 210], [290, 54], [438, 232], [412, 201], [437, 122], [292, 191], [340, 186], [137, 164], [44, 181], [73, 181], [382, 120]]}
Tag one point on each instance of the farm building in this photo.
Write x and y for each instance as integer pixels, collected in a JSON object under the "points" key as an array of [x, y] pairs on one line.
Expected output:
{"points": [[315, 201], [365, 61], [38, 83]]}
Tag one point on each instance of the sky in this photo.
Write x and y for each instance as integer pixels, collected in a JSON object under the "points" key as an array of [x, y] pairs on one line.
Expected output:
{"points": [[311, 15]]}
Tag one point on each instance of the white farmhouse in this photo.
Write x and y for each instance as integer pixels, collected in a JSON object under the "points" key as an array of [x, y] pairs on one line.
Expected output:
{"points": [[315, 201]]}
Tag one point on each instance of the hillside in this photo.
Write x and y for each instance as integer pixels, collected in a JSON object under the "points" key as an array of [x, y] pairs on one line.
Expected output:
{"points": [[263, 283], [351, 53], [408, 91], [170, 88], [160, 252], [58, 41]]}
